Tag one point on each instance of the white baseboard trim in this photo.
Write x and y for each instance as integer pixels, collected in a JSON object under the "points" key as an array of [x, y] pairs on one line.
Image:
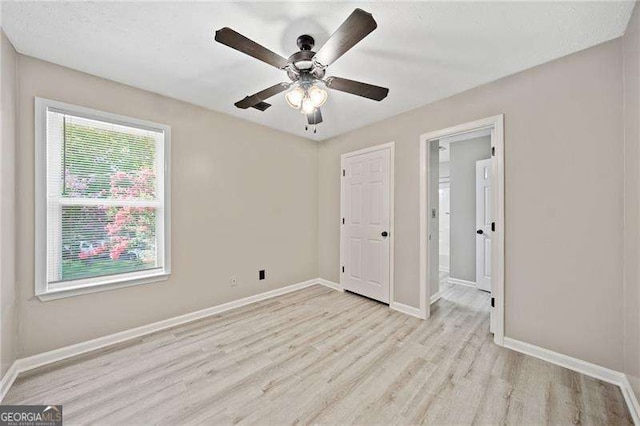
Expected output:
{"points": [[631, 399], [330, 284], [584, 367], [588, 369], [461, 282], [7, 380], [35, 361], [406, 309], [435, 297]]}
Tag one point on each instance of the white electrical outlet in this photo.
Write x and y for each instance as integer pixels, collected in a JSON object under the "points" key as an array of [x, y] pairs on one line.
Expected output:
{"points": [[234, 281]]}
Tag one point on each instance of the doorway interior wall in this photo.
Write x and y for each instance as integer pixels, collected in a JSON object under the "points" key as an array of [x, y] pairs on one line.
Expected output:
{"points": [[428, 264]]}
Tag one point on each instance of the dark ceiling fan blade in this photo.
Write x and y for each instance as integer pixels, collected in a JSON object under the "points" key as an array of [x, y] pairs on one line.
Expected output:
{"points": [[358, 88], [237, 41], [315, 117], [262, 106], [356, 27], [258, 98]]}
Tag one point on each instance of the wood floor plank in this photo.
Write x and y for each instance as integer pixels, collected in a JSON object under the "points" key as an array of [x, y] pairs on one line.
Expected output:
{"points": [[317, 356]]}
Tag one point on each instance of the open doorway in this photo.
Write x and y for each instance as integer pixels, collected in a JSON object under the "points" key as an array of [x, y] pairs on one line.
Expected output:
{"points": [[462, 214], [462, 210]]}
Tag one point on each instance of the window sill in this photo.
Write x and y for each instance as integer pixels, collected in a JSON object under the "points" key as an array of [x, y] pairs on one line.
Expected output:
{"points": [[94, 288]]}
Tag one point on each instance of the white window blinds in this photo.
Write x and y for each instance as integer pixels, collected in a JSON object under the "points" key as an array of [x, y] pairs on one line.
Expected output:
{"points": [[105, 195]]}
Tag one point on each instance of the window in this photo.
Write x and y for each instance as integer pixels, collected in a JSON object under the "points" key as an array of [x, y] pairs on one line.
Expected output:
{"points": [[102, 212]]}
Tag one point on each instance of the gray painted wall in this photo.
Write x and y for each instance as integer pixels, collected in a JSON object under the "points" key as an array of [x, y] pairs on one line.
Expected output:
{"points": [[631, 46], [8, 310], [464, 155], [244, 198], [552, 201]]}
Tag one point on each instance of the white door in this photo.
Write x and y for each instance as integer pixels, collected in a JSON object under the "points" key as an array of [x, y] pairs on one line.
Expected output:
{"points": [[483, 224], [365, 236]]}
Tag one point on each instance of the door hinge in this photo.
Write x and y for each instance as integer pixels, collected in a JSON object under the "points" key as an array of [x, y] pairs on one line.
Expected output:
{"points": [[343, 220], [493, 227], [343, 172], [493, 302], [343, 269], [493, 151]]}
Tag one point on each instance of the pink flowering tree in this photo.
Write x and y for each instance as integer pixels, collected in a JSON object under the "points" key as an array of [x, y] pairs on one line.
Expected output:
{"points": [[110, 230], [131, 227]]}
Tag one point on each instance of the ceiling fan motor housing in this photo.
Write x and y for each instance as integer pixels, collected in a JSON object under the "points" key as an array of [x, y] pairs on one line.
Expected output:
{"points": [[302, 61], [305, 42]]}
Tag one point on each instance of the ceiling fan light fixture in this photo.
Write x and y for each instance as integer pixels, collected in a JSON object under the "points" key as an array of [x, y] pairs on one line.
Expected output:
{"points": [[317, 95], [306, 68], [307, 105], [294, 97]]}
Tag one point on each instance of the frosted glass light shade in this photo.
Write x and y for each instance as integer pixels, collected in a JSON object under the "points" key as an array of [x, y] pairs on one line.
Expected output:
{"points": [[294, 97], [307, 105], [317, 95]]}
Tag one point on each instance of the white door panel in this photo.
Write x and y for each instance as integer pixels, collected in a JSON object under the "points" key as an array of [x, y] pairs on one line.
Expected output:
{"points": [[483, 224], [366, 196]]}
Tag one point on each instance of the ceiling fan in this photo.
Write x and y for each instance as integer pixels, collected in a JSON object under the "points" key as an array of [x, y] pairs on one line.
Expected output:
{"points": [[306, 69]]}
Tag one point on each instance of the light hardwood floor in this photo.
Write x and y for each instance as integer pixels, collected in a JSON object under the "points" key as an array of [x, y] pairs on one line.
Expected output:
{"points": [[321, 356]]}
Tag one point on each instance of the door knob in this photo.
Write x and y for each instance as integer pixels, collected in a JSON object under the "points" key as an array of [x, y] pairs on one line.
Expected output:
{"points": [[479, 232], [385, 233]]}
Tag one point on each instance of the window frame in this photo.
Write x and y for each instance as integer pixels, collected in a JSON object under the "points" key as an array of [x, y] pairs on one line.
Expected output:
{"points": [[43, 289]]}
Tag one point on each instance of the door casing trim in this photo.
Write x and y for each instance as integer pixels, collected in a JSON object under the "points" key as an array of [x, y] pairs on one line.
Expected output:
{"points": [[392, 147], [497, 285]]}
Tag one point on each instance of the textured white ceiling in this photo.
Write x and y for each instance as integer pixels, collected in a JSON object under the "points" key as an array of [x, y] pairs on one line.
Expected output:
{"points": [[421, 51]]}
